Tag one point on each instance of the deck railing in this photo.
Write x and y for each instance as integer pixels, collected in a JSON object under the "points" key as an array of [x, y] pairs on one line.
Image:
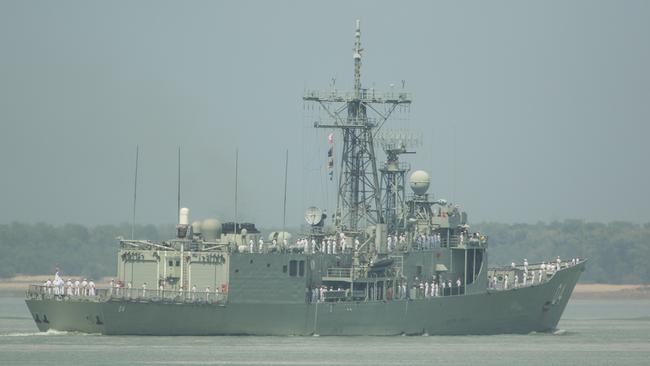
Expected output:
{"points": [[124, 294], [339, 272], [533, 274]]}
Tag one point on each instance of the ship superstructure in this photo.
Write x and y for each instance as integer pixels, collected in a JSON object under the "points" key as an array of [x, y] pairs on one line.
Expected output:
{"points": [[391, 263]]}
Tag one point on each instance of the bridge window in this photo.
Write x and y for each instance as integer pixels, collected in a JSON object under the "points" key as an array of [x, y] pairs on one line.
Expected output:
{"points": [[171, 263], [301, 268], [284, 269]]}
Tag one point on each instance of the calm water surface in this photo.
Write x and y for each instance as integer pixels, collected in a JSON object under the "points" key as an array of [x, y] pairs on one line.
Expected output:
{"points": [[593, 332]]}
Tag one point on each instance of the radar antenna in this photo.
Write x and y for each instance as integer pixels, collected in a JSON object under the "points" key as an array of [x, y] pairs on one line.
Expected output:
{"points": [[393, 176], [359, 199]]}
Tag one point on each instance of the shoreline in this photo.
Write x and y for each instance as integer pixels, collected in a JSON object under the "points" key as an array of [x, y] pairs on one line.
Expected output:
{"points": [[582, 290]]}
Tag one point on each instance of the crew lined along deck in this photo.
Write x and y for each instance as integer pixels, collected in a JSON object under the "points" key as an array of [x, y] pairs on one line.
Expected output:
{"points": [[127, 294], [337, 286], [394, 243], [516, 276]]}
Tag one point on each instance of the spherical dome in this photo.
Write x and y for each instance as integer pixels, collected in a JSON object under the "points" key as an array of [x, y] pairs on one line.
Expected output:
{"points": [[419, 182], [211, 229]]}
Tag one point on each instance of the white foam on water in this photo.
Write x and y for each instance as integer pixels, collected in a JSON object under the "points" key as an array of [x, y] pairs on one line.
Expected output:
{"points": [[48, 333]]}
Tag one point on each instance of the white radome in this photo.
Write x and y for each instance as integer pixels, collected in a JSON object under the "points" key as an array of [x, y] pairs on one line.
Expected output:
{"points": [[211, 229], [419, 182]]}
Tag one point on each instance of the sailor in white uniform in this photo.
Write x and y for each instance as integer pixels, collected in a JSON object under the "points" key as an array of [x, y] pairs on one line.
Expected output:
{"points": [[76, 287], [260, 246], [48, 286], [516, 284], [91, 288], [250, 246], [84, 287], [525, 265], [144, 289]]}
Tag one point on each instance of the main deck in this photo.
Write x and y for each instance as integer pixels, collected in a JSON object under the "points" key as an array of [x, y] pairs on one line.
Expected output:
{"points": [[537, 307]]}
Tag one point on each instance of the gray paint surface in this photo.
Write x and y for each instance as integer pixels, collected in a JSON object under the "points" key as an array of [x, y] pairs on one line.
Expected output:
{"points": [[511, 311]]}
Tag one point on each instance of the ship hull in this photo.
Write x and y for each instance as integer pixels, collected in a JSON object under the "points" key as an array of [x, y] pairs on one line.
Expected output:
{"points": [[528, 309]]}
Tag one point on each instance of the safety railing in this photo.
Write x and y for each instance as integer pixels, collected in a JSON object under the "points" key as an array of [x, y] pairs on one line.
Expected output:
{"points": [[124, 294], [339, 272], [519, 275], [369, 95]]}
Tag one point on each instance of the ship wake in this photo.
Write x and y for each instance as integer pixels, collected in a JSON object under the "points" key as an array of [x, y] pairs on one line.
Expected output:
{"points": [[48, 333]]}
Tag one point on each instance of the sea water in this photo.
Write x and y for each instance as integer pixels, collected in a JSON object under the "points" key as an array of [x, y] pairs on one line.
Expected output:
{"points": [[591, 332]]}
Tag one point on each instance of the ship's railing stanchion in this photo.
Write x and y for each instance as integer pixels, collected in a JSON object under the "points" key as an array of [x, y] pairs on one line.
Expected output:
{"points": [[535, 274]]}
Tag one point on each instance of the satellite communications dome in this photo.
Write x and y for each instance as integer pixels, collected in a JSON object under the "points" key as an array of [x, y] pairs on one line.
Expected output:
{"points": [[196, 227], [211, 229], [419, 182]]}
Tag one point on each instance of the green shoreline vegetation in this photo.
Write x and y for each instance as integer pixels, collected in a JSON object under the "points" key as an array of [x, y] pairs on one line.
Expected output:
{"points": [[618, 252]]}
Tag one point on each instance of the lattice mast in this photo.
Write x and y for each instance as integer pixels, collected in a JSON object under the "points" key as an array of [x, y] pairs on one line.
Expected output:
{"points": [[393, 177], [359, 198]]}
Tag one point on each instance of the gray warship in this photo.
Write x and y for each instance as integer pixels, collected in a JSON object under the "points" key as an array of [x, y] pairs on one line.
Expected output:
{"points": [[385, 263]]}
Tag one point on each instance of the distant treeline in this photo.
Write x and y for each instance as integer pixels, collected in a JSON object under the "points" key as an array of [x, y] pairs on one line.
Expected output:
{"points": [[618, 252], [75, 249]]}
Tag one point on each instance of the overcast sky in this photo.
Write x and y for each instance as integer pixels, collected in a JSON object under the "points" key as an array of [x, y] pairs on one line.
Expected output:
{"points": [[527, 110]]}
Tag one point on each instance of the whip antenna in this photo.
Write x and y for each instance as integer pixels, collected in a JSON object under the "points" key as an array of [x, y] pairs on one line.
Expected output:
{"points": [[135, 190]]}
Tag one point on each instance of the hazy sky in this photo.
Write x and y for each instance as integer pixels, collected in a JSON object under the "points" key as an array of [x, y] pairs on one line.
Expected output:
{"points": [[528, 110]]}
